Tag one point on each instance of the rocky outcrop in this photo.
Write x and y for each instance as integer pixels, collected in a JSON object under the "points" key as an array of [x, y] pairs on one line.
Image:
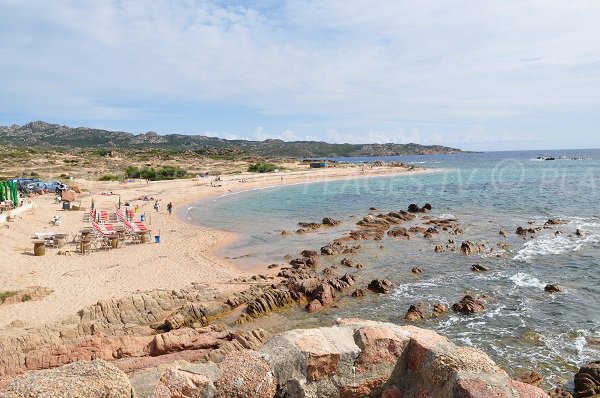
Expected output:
{"points": [[399, 233], [468, 305], [553, 288], [380, 286], [358, 358], [270, 300], [89, 379], [331, 222], [468, 248], [587, 381], [353, 358], [338, 247]]}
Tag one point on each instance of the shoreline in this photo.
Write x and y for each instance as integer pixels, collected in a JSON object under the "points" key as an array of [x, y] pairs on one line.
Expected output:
{"points": [[186, 252], [231, 237]]}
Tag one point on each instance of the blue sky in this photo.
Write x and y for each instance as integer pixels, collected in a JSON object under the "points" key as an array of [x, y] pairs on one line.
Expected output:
{"points": [[493, 75]]}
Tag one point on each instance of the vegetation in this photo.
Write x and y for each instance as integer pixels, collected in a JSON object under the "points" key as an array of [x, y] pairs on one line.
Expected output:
{"points": [[150, 173], [47, 136], [6, 294], [109, 177], [25, 297], [263, 167]]}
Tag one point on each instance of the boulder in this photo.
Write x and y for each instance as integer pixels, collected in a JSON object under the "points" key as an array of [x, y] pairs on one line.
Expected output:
{"points": [[245, 374], [468, 305], [309, 253], [478, 268], [415, 313], [553, 288], [531, 377], [84, 379], [416, 270], [439, 309], [176, 383], [587, 381], [468, 248], [359, 293], [331, 222], [338, 247], [380, 286]]}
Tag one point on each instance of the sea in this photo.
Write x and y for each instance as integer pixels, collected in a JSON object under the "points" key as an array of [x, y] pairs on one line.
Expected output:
{"points": [[523, 327]]}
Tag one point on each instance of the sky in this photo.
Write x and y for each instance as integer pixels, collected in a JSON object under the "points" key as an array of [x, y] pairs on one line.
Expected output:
{"points": [[477, 75]]}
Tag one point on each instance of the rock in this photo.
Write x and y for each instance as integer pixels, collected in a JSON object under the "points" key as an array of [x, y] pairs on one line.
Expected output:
{"points": [[416, 270], [553, 288], [560, 392], [323, 295], [357, 358], [270, 300], [245, 375], [310, 262], [503, 246], [175, 383], [415, 313], [439, 249], [521, 231], [309, 253], [338, 247], [367, 234], [309, 226], [373, 208], [350, 263], [478, 268], [468, 305], [400, 233], [556, 221], [359, 293], [32, 293], [85, 379], [284, 233], [273, 266], [187, 315], [587, 381], [439, 309], [380, 286], [373, 222], [468, 248], [578, 232], [243, 318], [593, 340], [503, 233], [531, 377], [331, 222]]}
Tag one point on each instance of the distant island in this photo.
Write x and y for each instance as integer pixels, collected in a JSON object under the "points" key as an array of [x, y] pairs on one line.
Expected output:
{"points": [[40, 134]]}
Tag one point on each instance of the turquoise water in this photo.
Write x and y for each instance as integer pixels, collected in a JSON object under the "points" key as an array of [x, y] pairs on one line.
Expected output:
{"points": [[523, 326]]}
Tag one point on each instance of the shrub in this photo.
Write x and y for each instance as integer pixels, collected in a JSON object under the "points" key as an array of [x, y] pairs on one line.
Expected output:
{"points": [[109, 177], [25, 297], [263, 167], [163, 173], [6, 294]]}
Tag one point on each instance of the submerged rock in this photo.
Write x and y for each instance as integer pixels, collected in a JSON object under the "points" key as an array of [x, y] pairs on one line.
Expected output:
{"points": [[478, 268], [553, 288], [468, 248]]}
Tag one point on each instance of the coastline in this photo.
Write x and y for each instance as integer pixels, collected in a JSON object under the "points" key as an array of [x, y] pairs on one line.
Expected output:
{"points": [[186, 252]]}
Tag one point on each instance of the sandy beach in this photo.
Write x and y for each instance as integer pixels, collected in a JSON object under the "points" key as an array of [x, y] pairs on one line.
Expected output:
{"points": [[183, 256]]}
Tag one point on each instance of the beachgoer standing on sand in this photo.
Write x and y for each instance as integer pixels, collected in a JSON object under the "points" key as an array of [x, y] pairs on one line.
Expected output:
{"points": [[156, 206], [170, 208]]}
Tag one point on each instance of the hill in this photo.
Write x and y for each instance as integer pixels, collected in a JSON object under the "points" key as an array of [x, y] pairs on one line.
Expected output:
{"points": [[45, 135]]}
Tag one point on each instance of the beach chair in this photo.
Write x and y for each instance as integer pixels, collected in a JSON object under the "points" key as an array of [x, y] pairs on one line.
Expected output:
{"points": [[103, 235]]}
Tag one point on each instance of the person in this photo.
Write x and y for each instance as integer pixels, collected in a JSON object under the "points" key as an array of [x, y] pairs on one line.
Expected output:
{"points": [[170, 208], [156, 206]]}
